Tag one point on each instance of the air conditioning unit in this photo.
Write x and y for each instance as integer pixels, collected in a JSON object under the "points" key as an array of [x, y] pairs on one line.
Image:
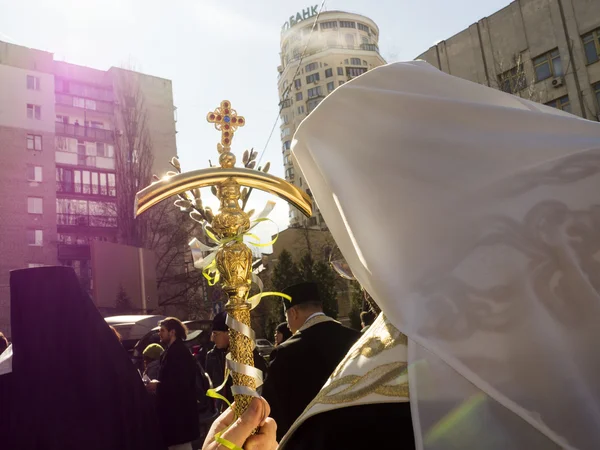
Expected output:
{"points": [[557, 82], [315, 82]]}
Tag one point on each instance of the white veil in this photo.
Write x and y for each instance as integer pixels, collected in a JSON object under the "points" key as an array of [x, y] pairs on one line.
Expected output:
{"points": [[473, 219]]}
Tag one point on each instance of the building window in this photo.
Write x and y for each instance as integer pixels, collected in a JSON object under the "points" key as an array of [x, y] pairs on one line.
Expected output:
{"points": [[34, 205], [355, 71], [297, 83], [34, 142], [329, 25], [287, 160], [328, 73], [513, 80], [79, 102], [591, 46], [364, 39], [289, 173], [547, 65], [340, 71], [33, 83], [330, 86], [284, 119], [285, 132], [34, 173], [287, 145], [312, 66], [362, 27], [301, 109], [312, 78], [312, 104], [346, 24], [298, 96], [596, 88], [349, 40], [34, 111], [355, 61], [35, 237], [315, 92], [561, 103]]}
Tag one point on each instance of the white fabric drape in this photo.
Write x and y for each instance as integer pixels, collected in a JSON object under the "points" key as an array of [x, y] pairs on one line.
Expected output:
{"points": [[473, 219]]}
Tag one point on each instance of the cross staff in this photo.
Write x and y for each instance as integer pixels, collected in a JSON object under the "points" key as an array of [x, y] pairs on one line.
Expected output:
{"points": [[234, 258]]}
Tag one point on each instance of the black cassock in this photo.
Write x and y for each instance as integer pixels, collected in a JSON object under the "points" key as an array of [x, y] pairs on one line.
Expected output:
{"points": [[72, 384], [300, 367], [380, 425]]}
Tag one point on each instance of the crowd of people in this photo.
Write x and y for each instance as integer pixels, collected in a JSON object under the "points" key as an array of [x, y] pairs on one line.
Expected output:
{"points": [[307, 349]]}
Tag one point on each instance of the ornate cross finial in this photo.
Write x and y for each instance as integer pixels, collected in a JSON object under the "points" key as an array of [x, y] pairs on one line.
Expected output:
{"points": [[226, 121]]}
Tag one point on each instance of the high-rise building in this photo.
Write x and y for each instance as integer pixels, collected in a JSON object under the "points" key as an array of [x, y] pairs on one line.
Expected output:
{"points": [[58, 128], [542, 50], [314, 62]]}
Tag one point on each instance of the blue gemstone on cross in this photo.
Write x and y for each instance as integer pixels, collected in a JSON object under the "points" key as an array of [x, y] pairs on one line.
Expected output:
{"points": [[226, 119]]}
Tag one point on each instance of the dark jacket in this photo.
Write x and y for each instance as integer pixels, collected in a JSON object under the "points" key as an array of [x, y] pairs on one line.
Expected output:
{"points": [[215, 368], [300, 367], [176, 395]]}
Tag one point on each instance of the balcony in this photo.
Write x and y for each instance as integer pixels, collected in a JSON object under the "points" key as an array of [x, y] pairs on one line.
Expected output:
{"points": [[322, 48], [63, 187], [84, 220], [91, 134], [87, 104]]}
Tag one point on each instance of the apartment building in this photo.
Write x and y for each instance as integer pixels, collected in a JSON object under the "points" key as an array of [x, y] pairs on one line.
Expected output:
{"points": [[59, 123], [542, 50], [340, 47]]}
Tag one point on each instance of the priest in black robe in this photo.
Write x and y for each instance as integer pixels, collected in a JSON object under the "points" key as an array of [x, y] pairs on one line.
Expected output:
{"points": [[72, 384], [301, 365]]}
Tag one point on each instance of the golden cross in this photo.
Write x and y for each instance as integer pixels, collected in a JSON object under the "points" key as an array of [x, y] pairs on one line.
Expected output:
{"points": [[226, 121]]}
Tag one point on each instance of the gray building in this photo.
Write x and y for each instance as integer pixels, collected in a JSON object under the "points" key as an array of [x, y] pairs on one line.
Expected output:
{"points": [[543, 50]]}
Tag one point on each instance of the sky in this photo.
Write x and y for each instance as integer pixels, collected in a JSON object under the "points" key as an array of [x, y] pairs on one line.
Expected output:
{"points": [[219, 50]]}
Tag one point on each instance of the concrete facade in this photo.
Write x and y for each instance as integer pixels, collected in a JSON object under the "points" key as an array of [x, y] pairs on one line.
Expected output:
{"points": [[552, 48], [341, 46], [58, 124]]}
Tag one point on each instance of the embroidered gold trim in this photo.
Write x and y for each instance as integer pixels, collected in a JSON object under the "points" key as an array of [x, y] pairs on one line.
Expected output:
{"points": [[355, 387], [382, 336]]}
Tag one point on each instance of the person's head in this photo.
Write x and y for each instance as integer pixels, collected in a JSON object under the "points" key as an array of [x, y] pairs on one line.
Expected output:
{"points": [[282, 333], [367, 318], [170, 330], [3, 343], [152, 353], [117, 334], [304, 303], [220, 331]]}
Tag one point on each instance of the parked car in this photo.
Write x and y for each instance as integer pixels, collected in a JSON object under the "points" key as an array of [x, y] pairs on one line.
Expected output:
{"points": [[133, 327], [264, 347], [198, 339]]}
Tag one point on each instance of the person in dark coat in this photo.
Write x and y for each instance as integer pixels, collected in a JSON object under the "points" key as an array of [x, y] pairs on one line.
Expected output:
{"points": [[301, 365], [215, 359], [88, 395], [176, 387], [282, 333]]}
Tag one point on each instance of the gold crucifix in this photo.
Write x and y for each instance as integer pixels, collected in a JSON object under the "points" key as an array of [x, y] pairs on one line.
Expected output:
{"points": [[233, 257], [226, 121]]}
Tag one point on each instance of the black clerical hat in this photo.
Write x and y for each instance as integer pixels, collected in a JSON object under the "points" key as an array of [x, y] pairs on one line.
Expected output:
{"points": [[219, 323], [301, 293]]}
